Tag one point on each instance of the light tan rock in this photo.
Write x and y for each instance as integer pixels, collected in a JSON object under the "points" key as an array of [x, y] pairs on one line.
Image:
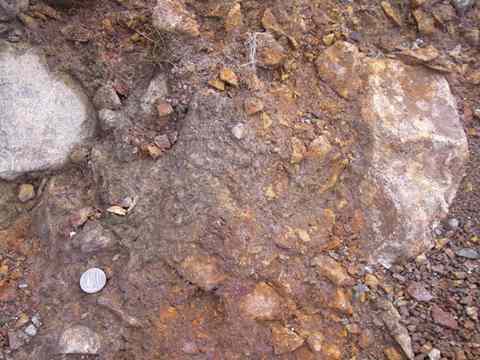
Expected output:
{"points": [[391, 12], [263, 303], [228, 75], [417, 158], [425, 22], [26, 192], [233, 19], [172, 16]]}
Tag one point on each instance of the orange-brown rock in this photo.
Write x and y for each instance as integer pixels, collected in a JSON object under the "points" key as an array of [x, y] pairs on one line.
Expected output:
{"points": [[332, 270], [285, 340], [204, 271], [340, 66]]}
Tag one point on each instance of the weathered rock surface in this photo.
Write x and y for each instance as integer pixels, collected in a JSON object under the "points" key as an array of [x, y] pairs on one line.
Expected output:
{"points": [[43, 115], [79, 340], [340, 66], [416, 151], [11, 8], [93, 237]]}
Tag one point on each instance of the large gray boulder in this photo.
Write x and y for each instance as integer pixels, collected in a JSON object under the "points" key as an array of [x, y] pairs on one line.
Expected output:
{"points": [[44, 115]]}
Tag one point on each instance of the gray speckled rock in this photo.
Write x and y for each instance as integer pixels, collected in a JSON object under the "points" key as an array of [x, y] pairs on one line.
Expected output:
{"points": [[44, 115]]}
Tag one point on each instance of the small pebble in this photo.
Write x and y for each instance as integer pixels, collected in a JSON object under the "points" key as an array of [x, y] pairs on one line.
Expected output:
{"points": [[476, 113], [36, 321], [238, 131], [31, 330], [453, 223], [438, 231], [435, 354], [15, 36], [26, 192], [164, 109], [468, 253]]}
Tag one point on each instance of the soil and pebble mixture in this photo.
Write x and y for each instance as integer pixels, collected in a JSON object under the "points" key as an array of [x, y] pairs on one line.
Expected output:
{"points": [[256, 179]]}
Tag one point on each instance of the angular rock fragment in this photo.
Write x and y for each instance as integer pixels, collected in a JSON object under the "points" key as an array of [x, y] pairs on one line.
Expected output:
{"points": [[233, 19], [444, 318], [110, 120], [172, 16], [285, 340], [26, 192], [392, 320], [38, 131], [418, 292], [270, 53], [391, 12]]}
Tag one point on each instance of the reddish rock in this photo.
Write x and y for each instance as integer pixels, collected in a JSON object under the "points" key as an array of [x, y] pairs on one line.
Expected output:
{"points": [[418, 292], [253, 106], [164, 109], [444, 318]]}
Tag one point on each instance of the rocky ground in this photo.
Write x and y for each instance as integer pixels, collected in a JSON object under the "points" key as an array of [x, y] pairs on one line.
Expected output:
{"points": [[257, 179]]}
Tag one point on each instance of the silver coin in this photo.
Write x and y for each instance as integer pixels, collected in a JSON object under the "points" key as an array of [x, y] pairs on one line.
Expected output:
{"points": [[93, 280]]}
